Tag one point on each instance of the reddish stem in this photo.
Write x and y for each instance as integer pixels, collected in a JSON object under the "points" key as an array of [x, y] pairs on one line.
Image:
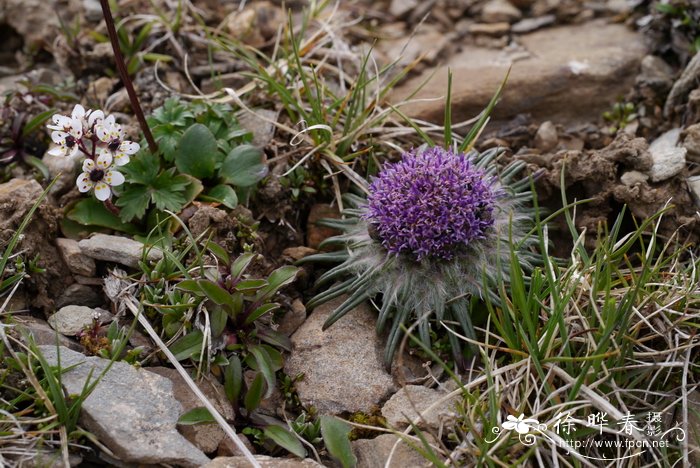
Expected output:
{"points": [[111, 207], [126, 79]]}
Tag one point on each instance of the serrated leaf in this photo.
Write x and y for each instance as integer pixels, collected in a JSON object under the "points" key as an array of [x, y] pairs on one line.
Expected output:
{"points": [[91, 212], [133, 202], [285, 439], [335, 437], [194, 416], [196, 153], [243, 166], [223, 194], [142, 168]]}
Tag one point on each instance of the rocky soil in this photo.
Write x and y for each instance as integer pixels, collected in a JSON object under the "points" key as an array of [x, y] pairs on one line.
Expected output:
{"points": [[570, 64]]}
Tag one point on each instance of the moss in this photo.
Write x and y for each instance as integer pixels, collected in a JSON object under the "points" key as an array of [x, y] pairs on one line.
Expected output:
{"points": [[374, 418]]}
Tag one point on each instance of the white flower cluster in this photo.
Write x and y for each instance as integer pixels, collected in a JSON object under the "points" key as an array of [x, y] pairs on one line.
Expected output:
{"points": [[101, 139]]}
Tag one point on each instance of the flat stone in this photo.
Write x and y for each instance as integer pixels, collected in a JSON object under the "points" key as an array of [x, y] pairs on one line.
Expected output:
{"points": [[668, 158], [81, 295], [77, 262], [41, 332], [293, 318], [496, 11], [400, 407], [532, 24], [489, 29], [568, 75], [399, 8], [65, 169], [691, 142], [343, 367], [546, 138], [264, 461], [259, 125], [297, 253], [631, 178], [117, 249], [426, 44], [72, 319], [132, 411], [205, 437], [374, 453]]}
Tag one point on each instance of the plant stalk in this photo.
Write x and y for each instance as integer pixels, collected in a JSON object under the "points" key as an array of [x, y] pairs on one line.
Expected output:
{"points": [[126, 79]]}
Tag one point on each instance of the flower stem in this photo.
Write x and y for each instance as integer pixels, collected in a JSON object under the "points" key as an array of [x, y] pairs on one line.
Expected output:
{"points": [[111, 207], [126, 79]]}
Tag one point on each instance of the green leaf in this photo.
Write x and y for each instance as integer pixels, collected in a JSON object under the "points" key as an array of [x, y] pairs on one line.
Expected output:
{"points": [[260, 311], [188, 345], [196, 153], [194, 416], [335, 437], [190, 286], [215, 292], [91, 212], [223, 194], [39, 165], [254, 393], [285, 439], [218, 251], [233, 379], [218, 319], [133, 201], [241, 264], [142, 169], [278, 278], [264, 362], [243, 166], [36, 122]]}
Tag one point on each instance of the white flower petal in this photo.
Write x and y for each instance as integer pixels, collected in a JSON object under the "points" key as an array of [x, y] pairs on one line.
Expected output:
{"points": [[83, 182], [72, 151], [59, 137], [102, 191], [57, 151], [129, 147], [508, 425], [120, 159], [104, 160], [101, 132], [95, 117], [114, 178], [76, 128], [78, 112], [522, 428], [88, 165]]}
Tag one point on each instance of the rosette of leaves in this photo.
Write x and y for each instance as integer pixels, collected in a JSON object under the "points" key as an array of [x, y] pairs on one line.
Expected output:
{"points": [[239, 337], [435, 235]]}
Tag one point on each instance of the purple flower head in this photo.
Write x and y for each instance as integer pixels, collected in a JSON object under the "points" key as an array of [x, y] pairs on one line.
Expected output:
{"points": [[431, 205]]}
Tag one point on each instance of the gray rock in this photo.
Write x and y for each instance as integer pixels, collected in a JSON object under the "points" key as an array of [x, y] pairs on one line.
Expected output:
{"points": [[683, 85], [566, 74], [293, 319], [669, 159], [92, 10], [374, 453], [631, 178], [81, 295], [228, 448], [132, 411], [71, 320], [205, 437], [496, 11], [117, 249], [489, 29], [532, 24], [399, 8], [546, 138], [691, 142], [35, 20], [342, 366], [41, 332], [694, 187], [66, 167], [77, 262], [264, 461], [399, 409], [258, 124]]}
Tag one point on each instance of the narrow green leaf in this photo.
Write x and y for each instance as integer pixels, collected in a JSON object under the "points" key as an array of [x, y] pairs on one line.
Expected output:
{"points": [[262, 359], [188, 345], [285, 439], [194, 416], [335, 436], [254, 394], [233, 378], [260, 311], [215, 292]]}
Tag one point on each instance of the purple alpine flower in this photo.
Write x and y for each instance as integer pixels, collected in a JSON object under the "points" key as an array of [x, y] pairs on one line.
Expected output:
{"points": [[431, 205]]}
